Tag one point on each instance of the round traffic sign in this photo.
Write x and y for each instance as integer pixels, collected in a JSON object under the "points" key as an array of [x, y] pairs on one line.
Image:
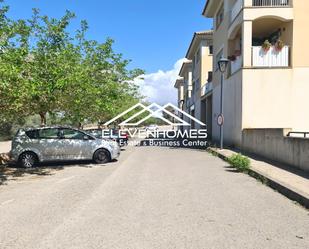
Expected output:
{"points": [[220, 120]]}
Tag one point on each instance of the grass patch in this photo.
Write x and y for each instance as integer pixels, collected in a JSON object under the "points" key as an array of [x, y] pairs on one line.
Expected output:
{"points": [[240, 162], [212, 152]]}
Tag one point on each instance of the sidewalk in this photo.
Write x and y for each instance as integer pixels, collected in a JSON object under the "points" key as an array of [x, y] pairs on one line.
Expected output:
{"points": [[5, 148], [290, 182]]}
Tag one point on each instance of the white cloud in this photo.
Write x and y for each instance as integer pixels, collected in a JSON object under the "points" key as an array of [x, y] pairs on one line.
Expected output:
{"points": [[159, 87]]}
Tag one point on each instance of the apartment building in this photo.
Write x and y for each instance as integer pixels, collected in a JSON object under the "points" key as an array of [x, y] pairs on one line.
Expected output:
{"points": [[194, 83], [267, 83]]}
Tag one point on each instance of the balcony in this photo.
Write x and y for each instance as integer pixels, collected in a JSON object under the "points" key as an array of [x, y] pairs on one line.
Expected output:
{"points": [[272, 58], [251, 10], [271, 3], [236, 64], [207, 88]]}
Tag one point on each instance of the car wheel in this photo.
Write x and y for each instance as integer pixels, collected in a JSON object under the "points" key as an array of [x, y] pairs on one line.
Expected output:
{"points": [[101, 156], [28, 160]]}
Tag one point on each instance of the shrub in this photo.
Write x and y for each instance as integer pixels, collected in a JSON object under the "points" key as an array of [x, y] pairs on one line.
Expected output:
{"points": [[279, 45], [242, 163], [266, 45]]}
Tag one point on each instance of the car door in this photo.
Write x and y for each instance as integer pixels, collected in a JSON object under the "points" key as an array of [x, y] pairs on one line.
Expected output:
{"points": [[78, 144], [50, 145]]}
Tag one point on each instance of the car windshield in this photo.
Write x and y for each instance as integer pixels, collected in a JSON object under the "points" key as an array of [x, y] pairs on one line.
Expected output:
{"points": [[94, 133], [72, 134]]}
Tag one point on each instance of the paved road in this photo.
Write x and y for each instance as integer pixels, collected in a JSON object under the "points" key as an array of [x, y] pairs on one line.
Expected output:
{"points": [[151, 198]]}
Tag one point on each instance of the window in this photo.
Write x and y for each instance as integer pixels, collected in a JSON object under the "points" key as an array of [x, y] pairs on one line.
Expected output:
{"points": [[198, 57], [218, 57], [51, 133], [198, 82], [193, 63], [193, 86], [220, 16], [209, 77], [211, 49], [72, 134], [32, 134]]}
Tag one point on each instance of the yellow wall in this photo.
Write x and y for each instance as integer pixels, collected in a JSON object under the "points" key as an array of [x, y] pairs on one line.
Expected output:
{"points": [[232, 109], [206, 65], [264, 98], [300, 104], [253, 13], [301, 33], [276, 98]]}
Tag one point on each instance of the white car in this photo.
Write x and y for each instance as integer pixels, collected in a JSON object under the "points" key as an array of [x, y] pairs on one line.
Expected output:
{"points": [[31, 146], [152, 128]]}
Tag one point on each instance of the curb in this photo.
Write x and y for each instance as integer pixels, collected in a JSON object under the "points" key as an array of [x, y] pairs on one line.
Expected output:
{"points": [[274, 184]]}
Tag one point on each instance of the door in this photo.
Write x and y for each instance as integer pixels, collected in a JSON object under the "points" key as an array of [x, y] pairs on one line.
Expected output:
{"points": [[49, 144], [78, 145], [192, 121], [209, 116], [203, 113]]}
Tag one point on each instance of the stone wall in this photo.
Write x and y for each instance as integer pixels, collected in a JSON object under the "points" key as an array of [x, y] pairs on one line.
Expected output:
{"points": [[274, 144]]}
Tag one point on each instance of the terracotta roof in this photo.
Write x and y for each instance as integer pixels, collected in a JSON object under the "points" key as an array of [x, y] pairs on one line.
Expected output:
{"points": [[205, 32], [178, 81], [210, 7], [185, 63], [206, 5], [199, 34]]}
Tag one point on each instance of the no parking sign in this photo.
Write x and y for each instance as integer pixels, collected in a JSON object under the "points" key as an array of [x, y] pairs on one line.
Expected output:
{"points": [[220, 120]]}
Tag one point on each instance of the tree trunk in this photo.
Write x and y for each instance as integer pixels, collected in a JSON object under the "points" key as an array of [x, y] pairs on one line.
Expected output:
{"points": [[80, 126], [43, 118]]}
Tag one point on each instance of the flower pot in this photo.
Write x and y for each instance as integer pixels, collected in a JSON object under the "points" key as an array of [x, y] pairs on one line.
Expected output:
{"points": [[266, 50]]}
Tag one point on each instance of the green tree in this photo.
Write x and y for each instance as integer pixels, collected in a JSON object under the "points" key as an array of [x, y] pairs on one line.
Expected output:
{"points": [[13, 57], [60, 74], [103, 87], [51, 65]]}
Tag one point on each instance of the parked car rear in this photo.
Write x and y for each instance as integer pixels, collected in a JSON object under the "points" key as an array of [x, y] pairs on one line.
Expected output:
{"points": [[152, 128], [31, 146]]}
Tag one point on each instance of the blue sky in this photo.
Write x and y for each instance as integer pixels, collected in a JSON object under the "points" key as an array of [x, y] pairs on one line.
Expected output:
{"points": [[153, 34]]}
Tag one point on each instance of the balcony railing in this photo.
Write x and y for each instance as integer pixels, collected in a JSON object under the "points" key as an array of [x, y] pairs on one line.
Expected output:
{"points": [[298, 134], [236, 9], [206, 88], [271, 3], [236, 64], [272, 58]]}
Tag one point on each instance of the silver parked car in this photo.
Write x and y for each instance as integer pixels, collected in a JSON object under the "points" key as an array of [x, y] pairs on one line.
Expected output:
{"points": [[31, 146]]}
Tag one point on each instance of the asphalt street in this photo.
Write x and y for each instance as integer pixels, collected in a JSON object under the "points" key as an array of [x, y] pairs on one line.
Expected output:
{"points": [[150, 198]]}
